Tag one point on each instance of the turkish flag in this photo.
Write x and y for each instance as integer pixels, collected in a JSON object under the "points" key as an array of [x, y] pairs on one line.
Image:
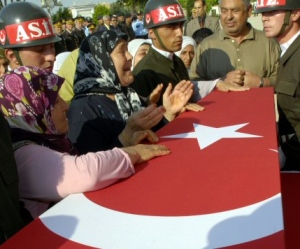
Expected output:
{"points": [[219, 188]]}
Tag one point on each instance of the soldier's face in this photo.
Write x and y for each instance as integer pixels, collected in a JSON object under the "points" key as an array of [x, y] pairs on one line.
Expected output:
{"points": [[79, 24], [170, 35], [42, 56], [69, 27], [272, 23], [58, 30]]}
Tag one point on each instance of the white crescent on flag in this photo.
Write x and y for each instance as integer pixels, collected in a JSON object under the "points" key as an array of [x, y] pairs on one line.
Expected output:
{"points": [[100, 227]]}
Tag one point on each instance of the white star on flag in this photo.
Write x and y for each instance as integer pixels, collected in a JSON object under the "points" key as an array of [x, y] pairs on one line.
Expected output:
{"points": [[207, 135]]}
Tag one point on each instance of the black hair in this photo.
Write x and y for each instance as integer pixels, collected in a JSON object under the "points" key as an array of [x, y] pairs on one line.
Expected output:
{"points": [[200, 34]]}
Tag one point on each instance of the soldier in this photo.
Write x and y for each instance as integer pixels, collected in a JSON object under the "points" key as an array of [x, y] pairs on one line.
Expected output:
{"points": [[281, 20], [164, 21], [36, 39], [88, 21], [78, 31], [61, 45], [71, 40], [63, 25], [91, 28]]}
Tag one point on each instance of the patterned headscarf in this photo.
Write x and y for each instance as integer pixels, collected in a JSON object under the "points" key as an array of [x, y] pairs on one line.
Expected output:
{"points": [[97, 75], [27, 97]]}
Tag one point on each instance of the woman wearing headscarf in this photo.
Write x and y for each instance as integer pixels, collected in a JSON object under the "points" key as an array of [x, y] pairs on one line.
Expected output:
{"points": [[59, 61], [48, 166], [138, 48], [105, 111], [187, 51]]}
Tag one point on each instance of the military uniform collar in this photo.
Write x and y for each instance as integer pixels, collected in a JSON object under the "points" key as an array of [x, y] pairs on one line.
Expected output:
{"points": [[287, 44], [164, 53]]}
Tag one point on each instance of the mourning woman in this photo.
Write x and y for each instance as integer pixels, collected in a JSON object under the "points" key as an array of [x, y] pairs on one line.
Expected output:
{"points": [[138, 48], [187, 51], [47, 163], [105, 111]]}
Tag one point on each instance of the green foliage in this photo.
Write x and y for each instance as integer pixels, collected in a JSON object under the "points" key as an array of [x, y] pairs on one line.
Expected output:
{"points": [[189, 6], [62, 13], [133, 5], [183, 3], [116, 8], [210, 4], [100, 9]]}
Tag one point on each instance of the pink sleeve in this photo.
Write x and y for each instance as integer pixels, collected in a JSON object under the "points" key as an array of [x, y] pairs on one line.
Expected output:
{"points": [[49, 175]]}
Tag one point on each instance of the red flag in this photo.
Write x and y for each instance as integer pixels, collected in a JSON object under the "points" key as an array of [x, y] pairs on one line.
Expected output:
{"points": [[220, 186]]}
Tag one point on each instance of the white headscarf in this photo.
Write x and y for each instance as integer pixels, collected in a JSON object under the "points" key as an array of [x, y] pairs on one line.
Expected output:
{"points": [[60, 59], [186, 40], [134, 45]]}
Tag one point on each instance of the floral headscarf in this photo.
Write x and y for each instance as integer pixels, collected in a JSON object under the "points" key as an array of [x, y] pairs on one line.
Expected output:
{"points": [[27, 97], [96, 73]]}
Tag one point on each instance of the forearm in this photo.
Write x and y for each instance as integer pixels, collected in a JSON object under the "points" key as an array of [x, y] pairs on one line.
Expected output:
{"points": [[49, 175]]}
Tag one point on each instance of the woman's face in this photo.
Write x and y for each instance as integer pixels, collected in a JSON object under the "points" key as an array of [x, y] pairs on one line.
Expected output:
{"points": [[187, 55], [122, 60], [59, 115], [3, 66], [140, 53]]}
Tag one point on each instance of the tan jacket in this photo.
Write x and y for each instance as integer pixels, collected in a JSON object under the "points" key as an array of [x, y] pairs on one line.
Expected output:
{"points": [[210, 22]]}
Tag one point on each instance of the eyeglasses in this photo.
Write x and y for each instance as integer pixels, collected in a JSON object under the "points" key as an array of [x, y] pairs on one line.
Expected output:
{"points": [[113, 20]]}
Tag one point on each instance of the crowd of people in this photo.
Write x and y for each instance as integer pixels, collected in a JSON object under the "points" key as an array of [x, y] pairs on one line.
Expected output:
{"points": [[72, 31], [78, 99]]}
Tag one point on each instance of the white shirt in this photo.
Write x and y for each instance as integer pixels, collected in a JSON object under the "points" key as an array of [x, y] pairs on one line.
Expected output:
{"points": [[286, 45], [201, 88]]}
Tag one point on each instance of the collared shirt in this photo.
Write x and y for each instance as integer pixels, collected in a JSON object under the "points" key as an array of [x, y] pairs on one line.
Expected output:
{"points": [[156, 68], [221, 54], [86, 31], [164, 53], [286, 45]]}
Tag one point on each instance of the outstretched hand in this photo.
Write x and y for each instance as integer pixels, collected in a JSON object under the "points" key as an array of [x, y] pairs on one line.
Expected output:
{"points": [[137, 137], [226, 87], [143, 152], [155, 94], [174, 101], [145, 119]]}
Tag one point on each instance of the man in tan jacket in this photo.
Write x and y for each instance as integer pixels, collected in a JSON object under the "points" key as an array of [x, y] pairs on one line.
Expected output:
{"points": [[202, 20]]}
